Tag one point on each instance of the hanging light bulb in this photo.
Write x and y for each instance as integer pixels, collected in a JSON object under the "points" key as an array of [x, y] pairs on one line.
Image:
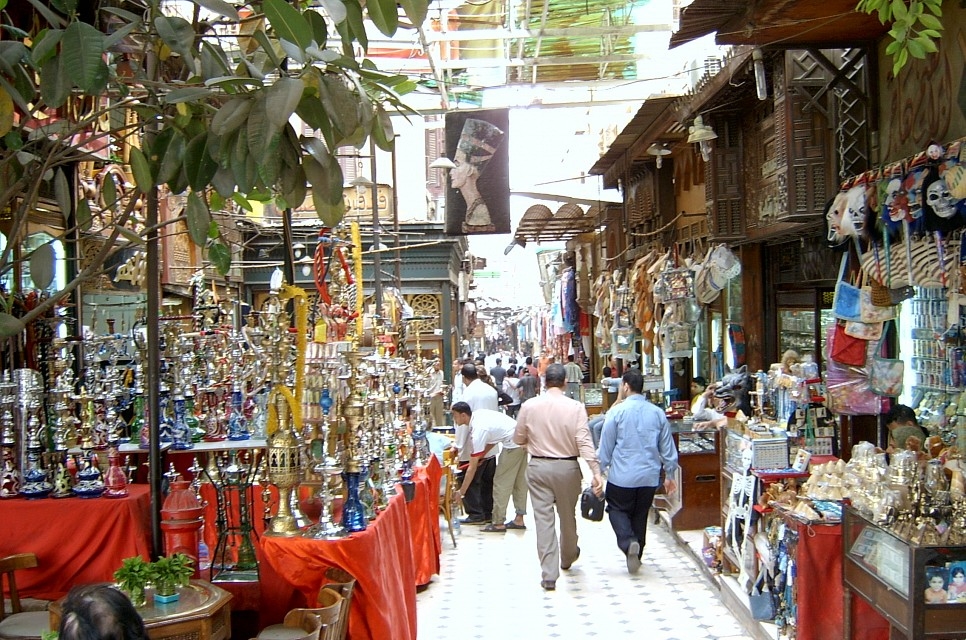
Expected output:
{"points": [[658, 151], [761, 82], [701, 134]]}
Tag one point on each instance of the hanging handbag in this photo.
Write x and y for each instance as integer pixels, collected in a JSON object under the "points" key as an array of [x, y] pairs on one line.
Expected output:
{"points": [[591, 505], [846, 305], [863, 330], [847, 387], [676, 284], [886, 374], [846, 349]]}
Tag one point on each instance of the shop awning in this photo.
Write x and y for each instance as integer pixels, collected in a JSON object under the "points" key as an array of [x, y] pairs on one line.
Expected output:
{"points": [[778, 23], [540, 224]]}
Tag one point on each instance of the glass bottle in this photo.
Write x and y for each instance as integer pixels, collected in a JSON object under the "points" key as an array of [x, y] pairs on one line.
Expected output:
{"points": [[191, 419], [213, 425], [180, 434], [237, 424], [115, 480], [353, 511], [165, 423], [139, 423]]}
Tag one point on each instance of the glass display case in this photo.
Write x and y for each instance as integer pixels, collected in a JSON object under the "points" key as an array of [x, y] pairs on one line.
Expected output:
{"points": [[796, 330], [901, 580]]}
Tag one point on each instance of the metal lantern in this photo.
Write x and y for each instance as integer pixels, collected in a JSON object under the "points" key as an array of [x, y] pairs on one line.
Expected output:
{"points": [[283, 471]]}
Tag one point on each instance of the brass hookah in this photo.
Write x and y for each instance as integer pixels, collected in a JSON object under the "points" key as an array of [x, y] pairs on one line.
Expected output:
{"points": [[354, 413], [284, 447]]}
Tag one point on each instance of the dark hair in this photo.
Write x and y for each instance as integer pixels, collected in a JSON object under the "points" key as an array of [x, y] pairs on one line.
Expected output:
{"points": [[529, 360], [957, 571], [461, 407], [570, 358], [634, 379], [901, 414], [699, 380], [606, 372], [100, 612], [499, 361], [555, 375], [512, 371], [469, 371]]}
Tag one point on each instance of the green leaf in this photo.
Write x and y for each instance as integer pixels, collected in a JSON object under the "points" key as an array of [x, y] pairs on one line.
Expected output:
{"points": [[242, 202], [261, 129], [83, 214], [62, 192], [262, 38], [10, 326], [931, 22], [45, 46], [172, 160], [198, 219], [354, 28], [120, 34], [177, 34], [214, 231], [141, 170], [382, 131], [916, 49], [55, 82], [220, 257], [288, 23], [214, 62], [231, 116], [199, 166], [319, 29], [292, 187], [220, 7], [82, 48], [892, 47], [131, 236], [187, 94], [282, 98], [416, 10], [384, 15], [224, 182], [927, 44], [341, 104], [335, 9], [899, 9], [110, 192], [51, 17]]}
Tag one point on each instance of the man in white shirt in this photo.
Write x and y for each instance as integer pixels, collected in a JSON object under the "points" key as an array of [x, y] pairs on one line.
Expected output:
{"points": [[491, 431], [478, 497]]}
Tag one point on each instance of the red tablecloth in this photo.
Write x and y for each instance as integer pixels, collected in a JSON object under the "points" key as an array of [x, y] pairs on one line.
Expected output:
{"points": [[424, 522], [76, 540], [380, 558]]}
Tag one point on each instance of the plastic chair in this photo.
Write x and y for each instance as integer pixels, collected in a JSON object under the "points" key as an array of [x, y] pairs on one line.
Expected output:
{"points": [[446, 501], [19, 625], [343, 583]]}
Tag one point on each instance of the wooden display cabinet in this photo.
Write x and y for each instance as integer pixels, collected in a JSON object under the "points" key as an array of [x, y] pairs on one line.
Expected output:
{"points": [[700, 482], [890, 574]]}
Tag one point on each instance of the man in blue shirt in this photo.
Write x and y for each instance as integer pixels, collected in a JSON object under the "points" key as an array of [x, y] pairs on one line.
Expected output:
{"points": [[634, 444]]}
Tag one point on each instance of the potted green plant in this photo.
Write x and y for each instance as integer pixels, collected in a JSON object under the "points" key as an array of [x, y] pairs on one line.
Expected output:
{"points": [[133, 577], [168, 573]]}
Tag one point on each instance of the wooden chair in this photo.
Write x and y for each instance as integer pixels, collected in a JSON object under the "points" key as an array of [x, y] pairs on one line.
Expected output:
{"points": [[446, 500], [325, 616], [343, 583], [19, 625], [299, 624]]}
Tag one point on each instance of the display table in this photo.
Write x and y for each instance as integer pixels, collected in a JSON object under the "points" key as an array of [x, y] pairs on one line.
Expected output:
{"points": [[380, 558], [77, 541], [202, 612], [424, 522]]}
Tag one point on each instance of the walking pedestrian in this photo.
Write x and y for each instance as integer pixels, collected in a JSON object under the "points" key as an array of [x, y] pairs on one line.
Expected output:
{"points": [[635, 443], [553, 427]]}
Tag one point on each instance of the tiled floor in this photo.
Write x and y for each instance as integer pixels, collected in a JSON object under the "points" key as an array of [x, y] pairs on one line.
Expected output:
{"points": [[489, 589]]}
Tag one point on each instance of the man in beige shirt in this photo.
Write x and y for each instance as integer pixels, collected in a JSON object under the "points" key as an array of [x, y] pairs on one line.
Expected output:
{"points": [[554, 429]]}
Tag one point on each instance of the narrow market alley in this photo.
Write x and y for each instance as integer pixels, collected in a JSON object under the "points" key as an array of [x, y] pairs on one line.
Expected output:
{"points": [[489, 588]]}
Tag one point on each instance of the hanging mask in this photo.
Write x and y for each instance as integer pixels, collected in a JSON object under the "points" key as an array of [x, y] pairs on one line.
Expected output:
{"points": [[834, 210], [913, 186], [939, 204], [853, 222]]}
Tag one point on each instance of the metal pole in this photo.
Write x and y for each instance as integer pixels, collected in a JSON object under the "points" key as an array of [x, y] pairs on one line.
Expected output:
{"points": [[395, 218], [153, 373], [377, 256]]}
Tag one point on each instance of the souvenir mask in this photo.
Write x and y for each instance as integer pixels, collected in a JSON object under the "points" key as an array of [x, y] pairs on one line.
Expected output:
{"points": [[913, 186], [853, 218], [833, 218], [940, 200]]}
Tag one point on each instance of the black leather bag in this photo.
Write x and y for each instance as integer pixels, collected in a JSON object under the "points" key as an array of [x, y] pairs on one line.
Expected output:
{"points": [[591, 507], [504, 399]]}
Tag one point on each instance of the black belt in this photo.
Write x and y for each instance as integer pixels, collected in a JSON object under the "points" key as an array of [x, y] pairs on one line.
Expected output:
{"points": [[573, 458]]}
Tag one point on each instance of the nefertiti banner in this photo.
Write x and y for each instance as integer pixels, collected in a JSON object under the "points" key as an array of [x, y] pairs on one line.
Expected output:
{"points": [[478, 197]]}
